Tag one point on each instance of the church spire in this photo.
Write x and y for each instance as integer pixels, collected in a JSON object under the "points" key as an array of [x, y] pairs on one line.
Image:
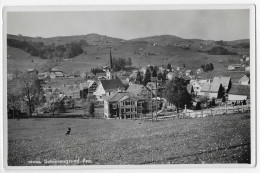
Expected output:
{"points": [[110, 61]]}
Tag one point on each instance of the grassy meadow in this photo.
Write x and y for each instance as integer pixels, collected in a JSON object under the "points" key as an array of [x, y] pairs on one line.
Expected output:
{"points": [[218, 139]]}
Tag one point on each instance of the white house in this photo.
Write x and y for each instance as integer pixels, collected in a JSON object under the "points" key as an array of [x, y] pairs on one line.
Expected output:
{"points": [[247, 58], [245, 80], [107, 87], [56, 74], [247, 68], [197, 85], [239, 93]]}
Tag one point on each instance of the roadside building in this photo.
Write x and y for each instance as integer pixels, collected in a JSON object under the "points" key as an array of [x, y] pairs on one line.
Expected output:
{"points": [[88, 87]]}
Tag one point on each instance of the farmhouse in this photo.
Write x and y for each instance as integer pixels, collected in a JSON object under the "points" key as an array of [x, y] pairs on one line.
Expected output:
{"points": [[122, 105], [107, 87], [239, 93], [245, 80], [87, 87], [197, 85], [212, 90]]}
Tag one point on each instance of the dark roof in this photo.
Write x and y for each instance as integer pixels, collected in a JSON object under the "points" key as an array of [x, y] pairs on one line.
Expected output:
{"points": [[240, 90], [120, 95], [111, 85]]}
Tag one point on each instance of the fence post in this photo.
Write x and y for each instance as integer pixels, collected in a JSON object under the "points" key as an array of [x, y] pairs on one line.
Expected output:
{"points": [[226, 109], [201, 113], [195, 114], [211, 112]]}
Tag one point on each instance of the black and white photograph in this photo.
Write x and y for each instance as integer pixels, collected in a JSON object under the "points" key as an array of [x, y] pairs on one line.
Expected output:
{"points": [[163, 86]]}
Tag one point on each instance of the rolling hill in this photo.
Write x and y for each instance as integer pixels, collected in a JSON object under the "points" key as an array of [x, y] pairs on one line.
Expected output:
{"points": [[155, 50]]}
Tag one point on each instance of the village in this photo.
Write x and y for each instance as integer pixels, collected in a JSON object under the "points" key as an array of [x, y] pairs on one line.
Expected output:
{"points": [[139, 94]]}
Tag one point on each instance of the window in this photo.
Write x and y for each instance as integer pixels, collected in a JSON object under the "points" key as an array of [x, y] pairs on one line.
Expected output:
{"points": [[127, 110], [114, 106], [127, 103]]}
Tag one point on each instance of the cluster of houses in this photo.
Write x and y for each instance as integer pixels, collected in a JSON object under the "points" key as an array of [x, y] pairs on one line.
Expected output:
{"points": [[244, 64], [121, 102]]}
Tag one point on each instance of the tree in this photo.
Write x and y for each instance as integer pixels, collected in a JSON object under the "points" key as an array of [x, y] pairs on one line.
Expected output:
{"points": [[184, 65], [13, 99], [154, 72], [139, 78], [198, 107], [160, 76], [176, 93], [31, 91], [164, 78], [147, 77]]}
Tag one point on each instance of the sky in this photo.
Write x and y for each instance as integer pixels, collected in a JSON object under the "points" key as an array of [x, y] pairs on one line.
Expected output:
{"points": [[189, 24]]}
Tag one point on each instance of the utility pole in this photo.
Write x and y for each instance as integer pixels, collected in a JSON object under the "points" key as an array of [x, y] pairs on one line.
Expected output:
{"points": [[154, 79]]}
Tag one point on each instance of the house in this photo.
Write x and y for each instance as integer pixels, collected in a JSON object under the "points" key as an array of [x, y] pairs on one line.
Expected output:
{"points": [[245, 80], [72, 91], [139, 90], [199, 71], [247, 58], [234, 66], [83, 75], [56, 74], [87, 87], [122, 105], [247, 68], [107, 87], [212, 90], [197, 85], [44, 77], [239, 93], [224, 81], [188, 72]]}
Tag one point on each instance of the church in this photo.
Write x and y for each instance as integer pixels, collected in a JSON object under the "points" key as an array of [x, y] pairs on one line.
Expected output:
{"points": [[110, 85]]}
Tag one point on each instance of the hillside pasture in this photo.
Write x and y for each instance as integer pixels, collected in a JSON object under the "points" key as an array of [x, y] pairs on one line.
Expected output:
{"points": [[219, 139]]}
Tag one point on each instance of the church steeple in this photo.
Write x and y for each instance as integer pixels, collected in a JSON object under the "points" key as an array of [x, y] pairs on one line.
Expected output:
{"points": [[110, 61], [110, 69]]}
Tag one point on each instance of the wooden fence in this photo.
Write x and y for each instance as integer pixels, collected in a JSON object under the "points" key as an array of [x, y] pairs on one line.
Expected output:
{"points": [[202, 113]]}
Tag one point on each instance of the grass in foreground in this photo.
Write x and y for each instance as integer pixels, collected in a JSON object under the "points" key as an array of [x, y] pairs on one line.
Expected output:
{"points": [[219, 139]]}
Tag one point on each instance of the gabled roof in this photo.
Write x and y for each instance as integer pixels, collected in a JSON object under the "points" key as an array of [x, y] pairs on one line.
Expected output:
{"points": [[120, 96], [240, 90], [210, 87], [111, 85], [245, 78], [222, 80], [136, 89]]}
